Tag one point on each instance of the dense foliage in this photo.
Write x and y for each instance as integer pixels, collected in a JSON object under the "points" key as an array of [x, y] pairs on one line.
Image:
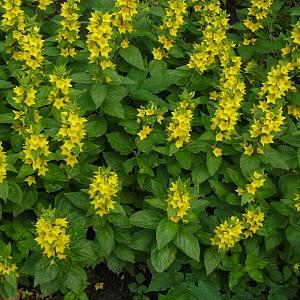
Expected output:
{"points": [[156, 132]]}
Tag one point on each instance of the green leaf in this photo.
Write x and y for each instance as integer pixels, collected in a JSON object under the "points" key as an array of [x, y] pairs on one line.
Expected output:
{"points": [[165, 232], [295, 11], [184, 158], [96, 126], [14, 193], [5, 85], [82, 77], [142, 240], [55, 173], [249, 164], [200, 174], [76, 279], [7, 118], [125, 253], [145, 219], [235, 276], [160, 282], [45, 272], [188, 244], [211, 260], [133, 56], [79, 199], [255, 274], [9, 282], [163, 258], [121, 142], [105, 240], [4, 189], [98, 93], [275, 159], [82, 251], [25, 170], [213, 163]]}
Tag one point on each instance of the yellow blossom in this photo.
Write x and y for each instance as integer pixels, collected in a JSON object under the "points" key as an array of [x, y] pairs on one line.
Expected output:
{"points": [[103, 190], [145, 132], [180, 126], [217, 152], [228, 233], [253, 221], [52, 236], [178, 201], [3, 164]]}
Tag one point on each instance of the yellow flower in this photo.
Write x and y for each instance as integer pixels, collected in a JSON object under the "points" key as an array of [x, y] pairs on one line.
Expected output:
{"points": [[30, 180], [3, 164], [248, 149], [68, 31], [180, 126], [297, 200], [52, 236], [178, 201], [124, 44], [228, 233], [36, 151], [257, 181], [103, 190], [71, 132], [98, 41], [217, 152], [99, 286], [7, 267], [123, 17], [213, 28], [145, 132], [43, 4], [230, 96], [253, 221], [157, 53]]}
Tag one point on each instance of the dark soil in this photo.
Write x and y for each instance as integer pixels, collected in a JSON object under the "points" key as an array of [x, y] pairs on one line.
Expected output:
{"points": [[115, 286]]}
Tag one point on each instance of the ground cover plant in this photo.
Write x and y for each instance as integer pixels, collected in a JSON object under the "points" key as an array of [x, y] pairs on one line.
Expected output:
{"points": [[157, 137]]}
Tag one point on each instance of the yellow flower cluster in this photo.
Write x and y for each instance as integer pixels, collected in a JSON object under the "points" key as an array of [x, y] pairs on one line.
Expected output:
{"points": [[13, 16], [25, 94], [266, 126], [42, 4], [3, 164], [99, 39], [228, 233], [294, 111], [275, 88], [72, 133], [256, 13], [103, 190], [253, 222], [6, 266], [30, 47], [257, 180], [68, 32], [178, 201], [52, 236], [123, 17], [172, 21], [60, 88], [214, 26], [148, 116], [297, 200], [180, 126], [232, 90], [36, 150], [278, 83]]}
